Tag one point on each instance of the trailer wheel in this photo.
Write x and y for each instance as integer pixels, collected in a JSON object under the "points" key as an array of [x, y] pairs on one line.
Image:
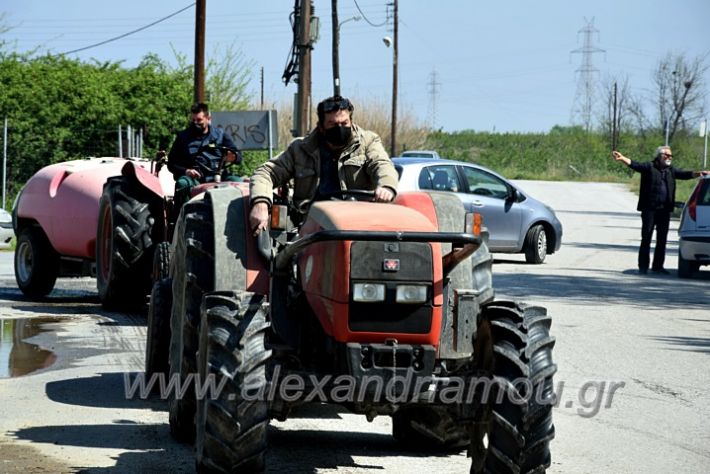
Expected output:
{"points": [[36, 263]]}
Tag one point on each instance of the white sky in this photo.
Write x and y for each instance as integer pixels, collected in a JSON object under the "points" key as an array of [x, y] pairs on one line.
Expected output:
{"points": [[504, 66]]}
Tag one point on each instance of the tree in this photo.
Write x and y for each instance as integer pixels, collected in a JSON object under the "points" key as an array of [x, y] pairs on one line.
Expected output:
{"points": [[60, 109], [227, 78], [680, 91]]}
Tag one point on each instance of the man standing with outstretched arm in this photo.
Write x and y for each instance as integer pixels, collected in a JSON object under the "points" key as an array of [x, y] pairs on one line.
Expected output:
{"points": [[656, 201]]}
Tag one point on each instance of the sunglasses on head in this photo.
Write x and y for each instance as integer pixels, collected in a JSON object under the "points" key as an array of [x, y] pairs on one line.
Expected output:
{"points": [[337, 103]]}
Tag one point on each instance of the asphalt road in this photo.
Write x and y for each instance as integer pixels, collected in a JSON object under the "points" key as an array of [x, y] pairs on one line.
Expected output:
{"points": [[633, 354]]}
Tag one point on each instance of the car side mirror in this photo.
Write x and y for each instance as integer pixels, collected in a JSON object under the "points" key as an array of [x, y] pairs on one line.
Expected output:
{"points": [[512, 195]]}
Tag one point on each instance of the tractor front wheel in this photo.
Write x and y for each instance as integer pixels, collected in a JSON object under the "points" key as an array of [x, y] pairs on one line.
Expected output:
{"points": [[157, 359], [513, 349], [193, 276], [232, 424]]}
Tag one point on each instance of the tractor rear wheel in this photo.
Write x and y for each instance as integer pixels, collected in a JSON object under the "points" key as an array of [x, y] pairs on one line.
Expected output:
{"points": [[514, 347], [36, 263], [125, 242], [193, 275], [232, 424], [158, 342]]}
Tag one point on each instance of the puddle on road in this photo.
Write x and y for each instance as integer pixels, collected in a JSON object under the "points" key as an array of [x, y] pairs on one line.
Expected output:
{"points": [[18, 357]]}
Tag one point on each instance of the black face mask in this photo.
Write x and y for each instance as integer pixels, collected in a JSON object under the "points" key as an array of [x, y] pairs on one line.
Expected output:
{"points": [[197, 128], [338, 136]]}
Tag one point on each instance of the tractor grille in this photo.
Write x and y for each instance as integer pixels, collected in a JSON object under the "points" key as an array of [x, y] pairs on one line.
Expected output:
{"points": [[369, 262], [390, 317]]}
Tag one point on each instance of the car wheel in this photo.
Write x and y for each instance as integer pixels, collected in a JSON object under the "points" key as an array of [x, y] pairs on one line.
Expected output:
{"points": [[686, 268], [536, 244], [36, 263]]}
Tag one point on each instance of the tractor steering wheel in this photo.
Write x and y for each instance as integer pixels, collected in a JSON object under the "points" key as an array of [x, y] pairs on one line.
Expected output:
{"points": [[351, 195]]}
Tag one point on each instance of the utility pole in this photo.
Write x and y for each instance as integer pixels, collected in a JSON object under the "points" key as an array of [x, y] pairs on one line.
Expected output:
{"points": [[705, 148], [262, 87], [614, 123], [393, 133], [336, 47], [304, 71], [200, 14]]}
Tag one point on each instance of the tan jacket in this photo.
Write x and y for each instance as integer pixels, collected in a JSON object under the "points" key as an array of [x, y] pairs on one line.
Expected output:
{"points": [[363, 164]]}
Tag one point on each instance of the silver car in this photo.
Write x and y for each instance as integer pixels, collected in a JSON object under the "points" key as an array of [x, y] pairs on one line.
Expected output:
{"points": [[516, 222], [694, 231]]}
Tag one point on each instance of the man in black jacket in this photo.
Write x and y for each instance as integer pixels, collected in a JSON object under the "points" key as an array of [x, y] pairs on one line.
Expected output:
{"points": [[656, 201], [197, 152]]}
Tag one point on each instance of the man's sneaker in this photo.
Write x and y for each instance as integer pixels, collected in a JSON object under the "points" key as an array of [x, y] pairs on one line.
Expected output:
{"points": [[643, 271], [662, 271]]}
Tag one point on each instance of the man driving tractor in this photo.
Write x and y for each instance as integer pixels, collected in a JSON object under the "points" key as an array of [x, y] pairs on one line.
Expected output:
{"points": [[336, 156], [197, 153]]}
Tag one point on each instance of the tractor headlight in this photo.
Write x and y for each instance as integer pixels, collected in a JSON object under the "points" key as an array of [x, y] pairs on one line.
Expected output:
{"points": [[411, 293], [368, 292]]}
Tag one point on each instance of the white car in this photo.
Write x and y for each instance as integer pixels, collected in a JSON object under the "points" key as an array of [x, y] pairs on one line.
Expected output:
{"points": [[694, 231], [6, 231], [419, 154]]}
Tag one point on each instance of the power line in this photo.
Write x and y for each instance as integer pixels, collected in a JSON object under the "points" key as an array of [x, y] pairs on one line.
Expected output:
{"points": [[367, 20], [130, 32]]}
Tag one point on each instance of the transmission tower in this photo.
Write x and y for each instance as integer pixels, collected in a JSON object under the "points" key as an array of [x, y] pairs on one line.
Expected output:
{"points": [[433, 92], [584, 96]]}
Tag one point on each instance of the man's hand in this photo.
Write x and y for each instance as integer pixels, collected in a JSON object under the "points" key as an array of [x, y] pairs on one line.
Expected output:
{"points": [[383, 194], [192, 173], [259, 217], [619, 157]]}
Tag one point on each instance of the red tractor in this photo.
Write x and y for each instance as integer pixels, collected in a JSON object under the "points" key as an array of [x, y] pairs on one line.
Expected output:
{"points": [[358, 294]]}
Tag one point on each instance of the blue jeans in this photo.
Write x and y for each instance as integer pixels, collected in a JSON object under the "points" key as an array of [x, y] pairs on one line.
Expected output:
{"points": [[184, 185]]}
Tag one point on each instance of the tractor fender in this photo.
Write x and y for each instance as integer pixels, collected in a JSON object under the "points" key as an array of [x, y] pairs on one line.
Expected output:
{"points": [[469, 286], [162, 185], [237, 262]]}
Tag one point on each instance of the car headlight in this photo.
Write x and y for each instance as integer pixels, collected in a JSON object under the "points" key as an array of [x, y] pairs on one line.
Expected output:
{"points": [[368, 292], [411, 293]]}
